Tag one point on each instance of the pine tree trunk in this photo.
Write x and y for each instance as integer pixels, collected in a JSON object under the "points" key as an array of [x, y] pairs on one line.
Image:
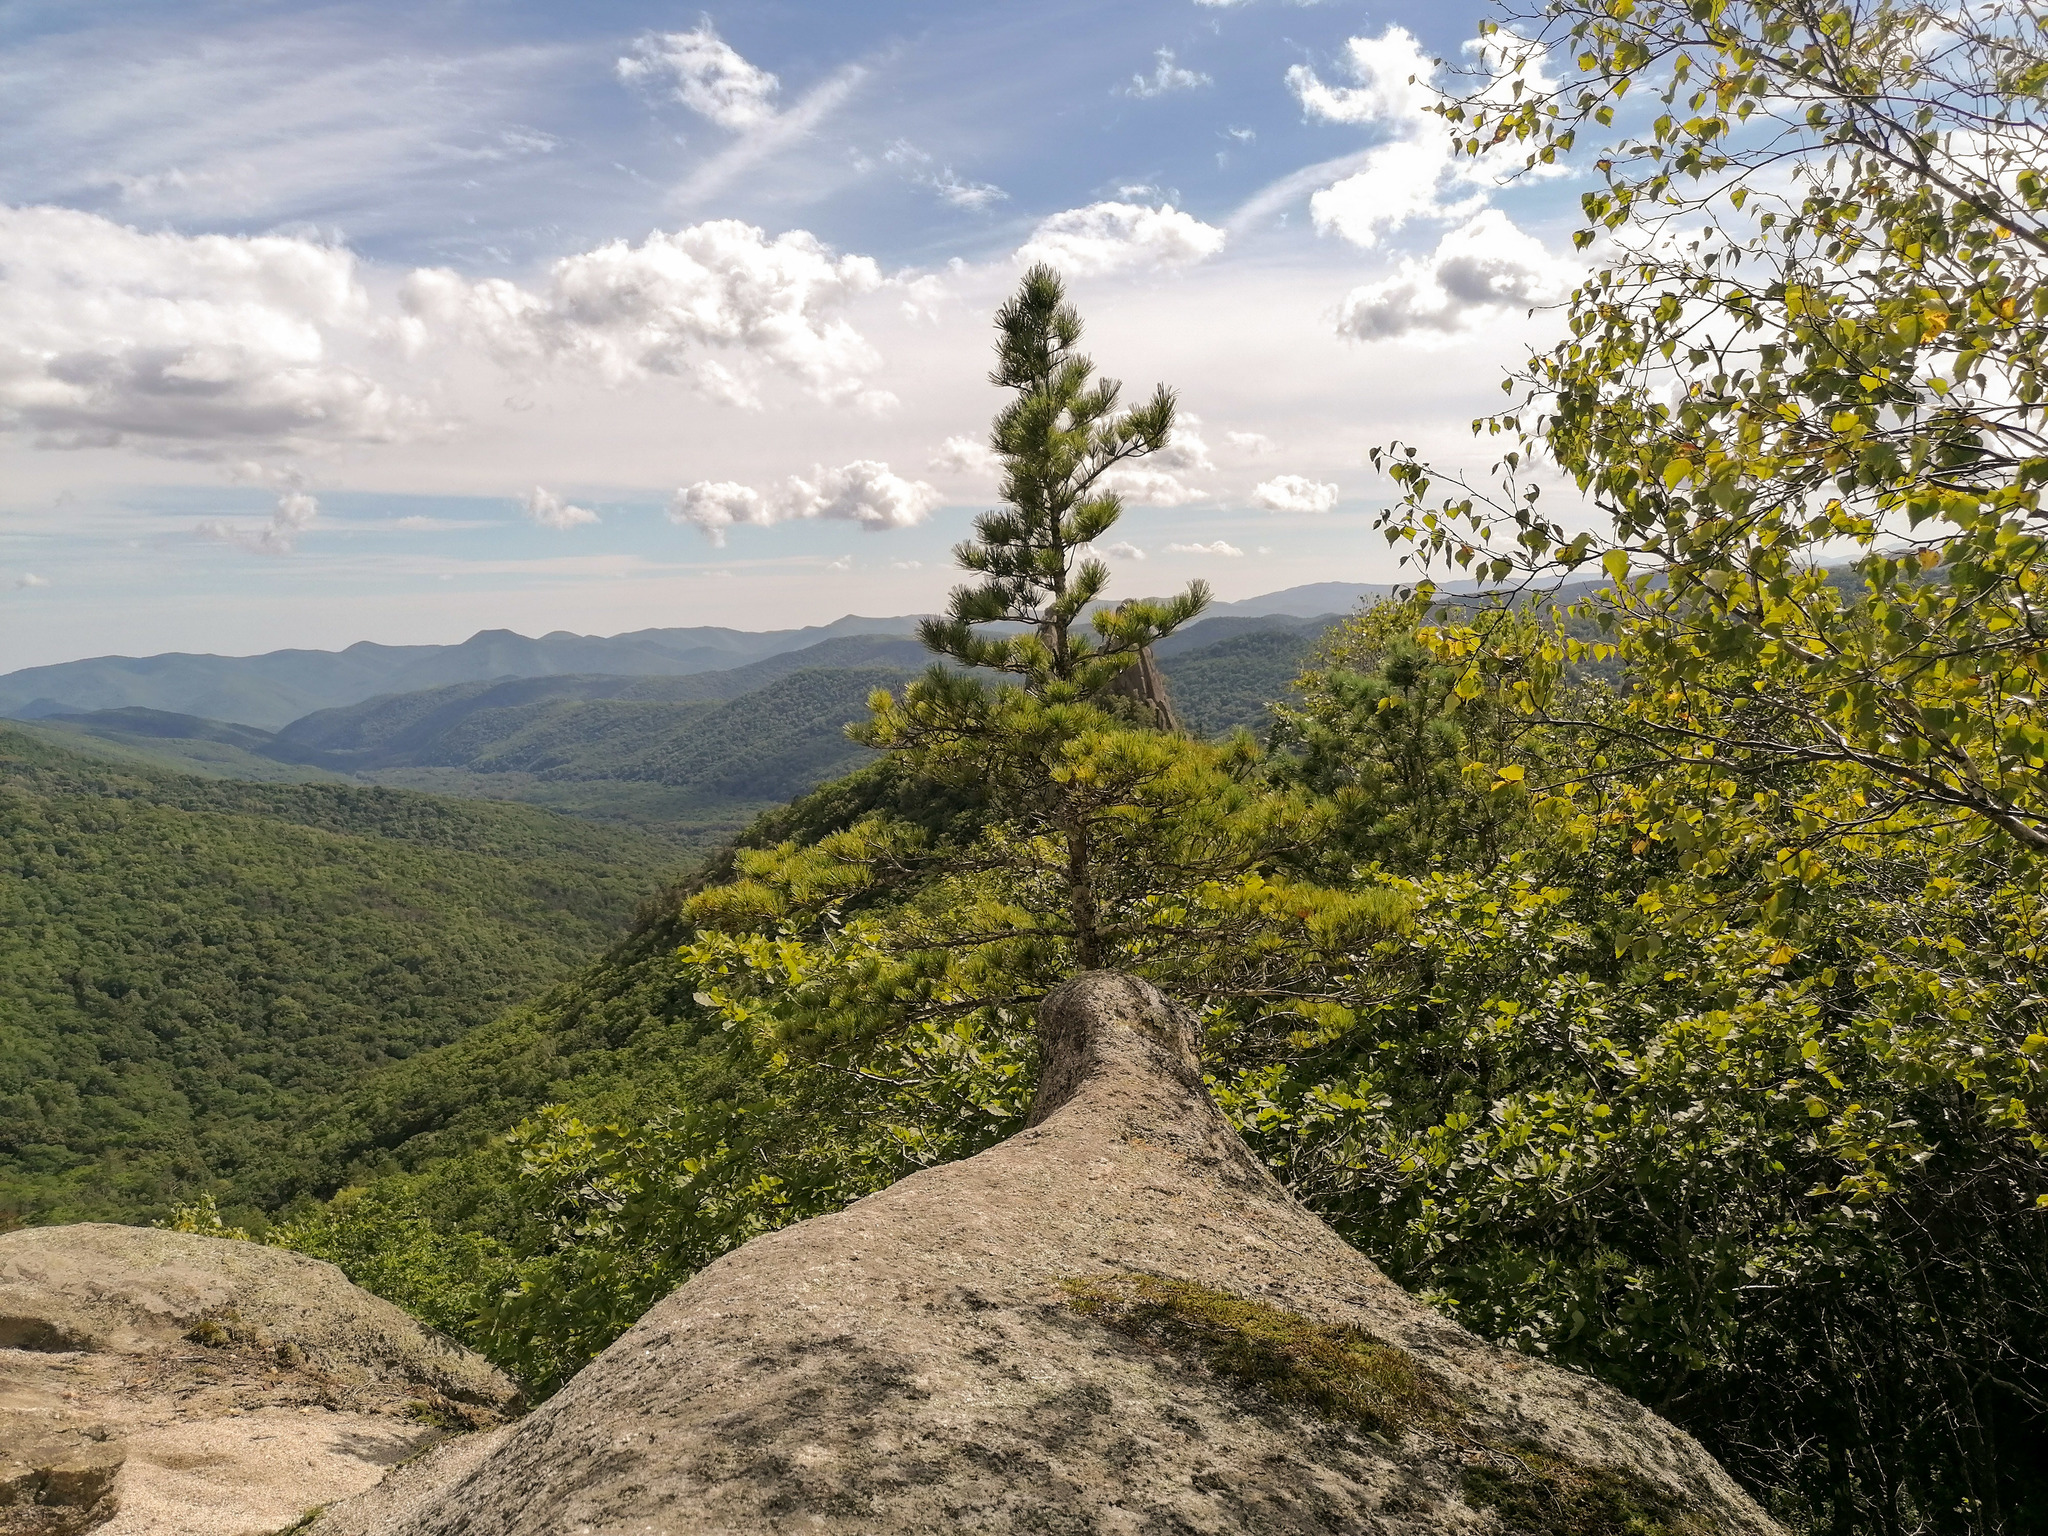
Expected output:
{"points": [[1081, 892]]}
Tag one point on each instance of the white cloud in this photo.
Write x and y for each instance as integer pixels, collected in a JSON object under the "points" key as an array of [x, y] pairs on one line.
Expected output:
{"points": [[1393, 75], [863, 492], [1186, 449], [1402, 180], [1257, 444], [1123, 549], [973, 195], [663, 306], [293, 515], [1416, 170], [1166, 77], [1116, 237], [182, 344], [1294, 493], [953, 190], [1478, 269], [1151, 487], [31, 579], [705, 74], [716, 505], [966, 456], [754, 149], [906, 565], [544, 507], [1218, 548]]}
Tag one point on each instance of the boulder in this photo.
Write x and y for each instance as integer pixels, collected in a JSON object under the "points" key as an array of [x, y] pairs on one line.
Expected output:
{"points": [[165, 1384], [1116, 1321]]}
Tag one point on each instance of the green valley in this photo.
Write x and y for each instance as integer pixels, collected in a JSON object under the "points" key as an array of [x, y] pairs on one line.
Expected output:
{"points": [[189, 966]]}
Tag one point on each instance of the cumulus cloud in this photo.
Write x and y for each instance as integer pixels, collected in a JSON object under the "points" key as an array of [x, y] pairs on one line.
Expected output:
{"points": [[1478, 269], [704, 73], [1294, 493], [29, 579], [1123, 549], [1166, 77], [1257, 444], [293, 515], [1151, 487], [966, 456], [190, 345], [1414, 171], [1116, 237], [1393, 75], [716, 505], [712, 303], [1217, 548], [1186, 450], [544, 507], [863, 492]]}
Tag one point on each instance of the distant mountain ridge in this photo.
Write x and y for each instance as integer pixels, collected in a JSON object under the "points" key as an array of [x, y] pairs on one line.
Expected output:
{"points": [[273, 689], [277, 687]]}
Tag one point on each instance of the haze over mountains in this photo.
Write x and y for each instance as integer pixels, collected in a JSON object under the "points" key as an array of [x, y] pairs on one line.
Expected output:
{"points": [[272, 690], [689, 753]]}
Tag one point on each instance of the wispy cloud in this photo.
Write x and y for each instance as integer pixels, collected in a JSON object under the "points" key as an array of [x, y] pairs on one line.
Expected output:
{"points": [[760, 144], [279, 535], [1166, 77], [953, 189], [319, 119]]}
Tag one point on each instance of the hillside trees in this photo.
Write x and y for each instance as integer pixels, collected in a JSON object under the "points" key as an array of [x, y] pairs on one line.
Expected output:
{"points": [[1801, 393], [188, 967], [1814, 333]]}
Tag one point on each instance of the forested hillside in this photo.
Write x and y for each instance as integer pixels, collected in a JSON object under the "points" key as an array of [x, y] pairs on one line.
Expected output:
{"points": [[188, 967]]}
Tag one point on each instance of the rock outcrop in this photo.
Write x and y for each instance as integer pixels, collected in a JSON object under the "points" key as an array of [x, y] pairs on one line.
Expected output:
{"points": [[164, 1384], [1116, 1321]]}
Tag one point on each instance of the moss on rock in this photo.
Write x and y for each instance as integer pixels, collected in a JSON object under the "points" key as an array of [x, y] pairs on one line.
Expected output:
{"points": [[1339, 1372], [1344, 1374]]}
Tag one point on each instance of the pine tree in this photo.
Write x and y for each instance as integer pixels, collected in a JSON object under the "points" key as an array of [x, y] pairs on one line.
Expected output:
{"points": [[1057, 440]]}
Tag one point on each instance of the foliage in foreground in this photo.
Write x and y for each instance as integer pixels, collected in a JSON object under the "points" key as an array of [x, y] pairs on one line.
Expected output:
{"points": [[1750, 1135]]}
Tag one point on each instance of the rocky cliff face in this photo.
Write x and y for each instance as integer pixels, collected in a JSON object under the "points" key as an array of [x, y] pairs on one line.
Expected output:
{"points": [[1116, 1321], [163, 1384]]}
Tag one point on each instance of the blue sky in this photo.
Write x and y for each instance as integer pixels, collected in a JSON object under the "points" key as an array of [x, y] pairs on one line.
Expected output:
{"points": [[325, 323]]}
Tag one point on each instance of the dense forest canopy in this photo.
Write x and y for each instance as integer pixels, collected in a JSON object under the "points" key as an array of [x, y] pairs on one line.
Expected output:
{"points": [[189, 968]]}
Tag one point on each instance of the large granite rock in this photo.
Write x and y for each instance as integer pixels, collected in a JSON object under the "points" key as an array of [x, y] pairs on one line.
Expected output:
{"points": [[1116, 1321], [164, 1384]]}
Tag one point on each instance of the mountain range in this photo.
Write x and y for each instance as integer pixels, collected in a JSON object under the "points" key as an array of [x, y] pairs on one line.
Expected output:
{"points": [[689, 757], [272, 690]]}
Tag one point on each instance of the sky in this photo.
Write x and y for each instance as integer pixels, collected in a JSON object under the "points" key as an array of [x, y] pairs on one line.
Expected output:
{"points": [[327, 323]]}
